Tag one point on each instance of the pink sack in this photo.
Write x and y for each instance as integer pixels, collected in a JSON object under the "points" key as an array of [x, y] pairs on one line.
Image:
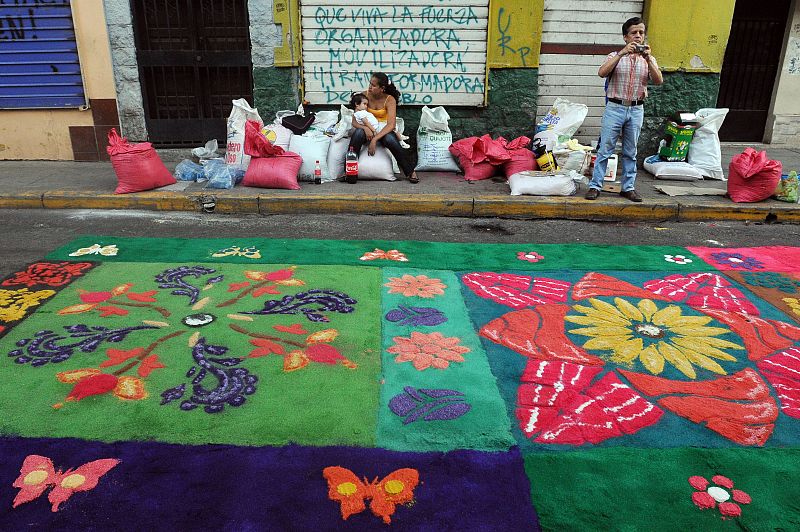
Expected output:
{"points": [[138, 166], [279, 171], [522, 159], [270, 166], [479, 157], [753, 177]]}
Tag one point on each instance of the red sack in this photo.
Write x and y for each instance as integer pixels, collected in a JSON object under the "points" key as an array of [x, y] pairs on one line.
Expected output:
{"points": [[256, 144], [522, 159], [138, 166], [270, 166], [753, 177], [479, 157]]}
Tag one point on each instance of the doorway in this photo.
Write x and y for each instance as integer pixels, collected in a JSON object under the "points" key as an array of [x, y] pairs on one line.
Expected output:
{"points": [[194, 58], [750, 67]]}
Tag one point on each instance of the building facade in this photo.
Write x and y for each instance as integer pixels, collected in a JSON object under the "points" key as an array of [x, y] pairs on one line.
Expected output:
{"points": [[167, 70]]}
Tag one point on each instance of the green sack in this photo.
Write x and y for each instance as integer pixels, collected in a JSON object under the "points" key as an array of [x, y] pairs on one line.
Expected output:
{"points": [[787, 188]]}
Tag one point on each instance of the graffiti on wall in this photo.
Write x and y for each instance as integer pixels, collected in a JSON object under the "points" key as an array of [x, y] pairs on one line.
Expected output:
{"points": [[515, 33], [434, 53]]}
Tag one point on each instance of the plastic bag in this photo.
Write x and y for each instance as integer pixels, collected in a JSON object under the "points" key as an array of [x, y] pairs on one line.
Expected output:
{"points": [[189, 171], [221, 175], [433, 141], [752, 176], [138, 166], [704, 152], [561, 122], [240, 114], [209, 151], [787, 188]]}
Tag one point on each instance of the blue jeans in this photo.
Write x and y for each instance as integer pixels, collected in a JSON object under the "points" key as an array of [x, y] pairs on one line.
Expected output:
{"points": [[390, 142], [618, 120]]}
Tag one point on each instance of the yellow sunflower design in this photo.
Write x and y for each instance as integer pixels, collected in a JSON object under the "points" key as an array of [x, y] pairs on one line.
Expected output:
{"points": [[653, 335]]}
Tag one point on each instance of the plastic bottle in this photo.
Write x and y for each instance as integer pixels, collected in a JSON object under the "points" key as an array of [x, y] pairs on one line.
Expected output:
{"points": [[351, 166], [317, 173]]}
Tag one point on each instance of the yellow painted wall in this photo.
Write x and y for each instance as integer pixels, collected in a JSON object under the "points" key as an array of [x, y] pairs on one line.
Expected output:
{"points": [[515, 33], [689, 35], [44, 134], [287, 14]]}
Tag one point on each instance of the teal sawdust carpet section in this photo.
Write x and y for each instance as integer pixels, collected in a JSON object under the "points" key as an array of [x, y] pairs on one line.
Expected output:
{"points": [[262, 384]]}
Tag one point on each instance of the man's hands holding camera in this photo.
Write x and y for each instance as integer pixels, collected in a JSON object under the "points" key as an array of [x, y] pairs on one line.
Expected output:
{"points": [[636, 48]]}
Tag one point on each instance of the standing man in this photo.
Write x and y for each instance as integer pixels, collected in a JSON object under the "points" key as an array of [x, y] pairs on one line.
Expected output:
{"points": [[628, 72]]}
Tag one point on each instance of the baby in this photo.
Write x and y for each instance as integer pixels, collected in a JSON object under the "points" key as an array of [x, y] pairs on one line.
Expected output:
{"points": [[359, 103]]}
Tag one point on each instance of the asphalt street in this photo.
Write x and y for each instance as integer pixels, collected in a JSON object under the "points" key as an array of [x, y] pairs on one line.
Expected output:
{"points": [[30, 234]]}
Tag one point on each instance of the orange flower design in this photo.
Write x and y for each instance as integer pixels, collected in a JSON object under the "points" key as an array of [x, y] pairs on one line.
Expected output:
{"points": [[428, 350], [419, 285]]}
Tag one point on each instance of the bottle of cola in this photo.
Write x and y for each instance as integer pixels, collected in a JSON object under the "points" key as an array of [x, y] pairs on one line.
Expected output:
{"points": [[317, 173], [351, 166]]}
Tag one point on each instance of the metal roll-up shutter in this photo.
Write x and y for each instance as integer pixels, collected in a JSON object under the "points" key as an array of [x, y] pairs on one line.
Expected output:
{"points": [[435, 52], [576, 37], [39, 65]]}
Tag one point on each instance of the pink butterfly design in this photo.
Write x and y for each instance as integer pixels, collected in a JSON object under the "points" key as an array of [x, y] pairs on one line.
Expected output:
{"points": [[37, 474]]}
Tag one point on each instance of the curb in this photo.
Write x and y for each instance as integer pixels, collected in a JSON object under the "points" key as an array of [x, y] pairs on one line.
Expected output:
{"points": [[491, 206]]}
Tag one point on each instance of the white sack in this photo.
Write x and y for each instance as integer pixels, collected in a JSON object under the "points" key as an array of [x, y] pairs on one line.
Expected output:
{"points": [[240, 114], [704, 152], [311, 148], [278, 135], [433, 141], [674, 170], [561, 122], [377, 167], [337, 153], [531, 183]]}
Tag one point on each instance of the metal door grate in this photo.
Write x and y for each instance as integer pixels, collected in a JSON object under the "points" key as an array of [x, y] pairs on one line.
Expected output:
{"points": [[750, 66], [194, 58]]}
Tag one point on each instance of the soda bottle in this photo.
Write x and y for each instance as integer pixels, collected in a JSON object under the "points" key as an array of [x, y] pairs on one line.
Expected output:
{"points": [[317, 173], [351, 166]]}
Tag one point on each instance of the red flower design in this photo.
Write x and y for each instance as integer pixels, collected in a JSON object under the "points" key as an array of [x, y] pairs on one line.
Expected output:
{"points": [[48, 273], [718, 494], [529, 256]]}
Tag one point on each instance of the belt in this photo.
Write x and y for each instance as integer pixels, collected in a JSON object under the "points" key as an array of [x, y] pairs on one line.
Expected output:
{"points": [[626, 103]]}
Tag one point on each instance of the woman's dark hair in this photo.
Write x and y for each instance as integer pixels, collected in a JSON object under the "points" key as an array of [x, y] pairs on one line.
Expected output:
{"points": [[631, 22], [387, 86], [356, 99]]}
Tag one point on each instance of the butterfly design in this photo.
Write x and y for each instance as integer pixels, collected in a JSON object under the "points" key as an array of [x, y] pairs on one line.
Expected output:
{"points": [[37, 474], [249, 252], [96, 249], [392, 254], [395, 488]]}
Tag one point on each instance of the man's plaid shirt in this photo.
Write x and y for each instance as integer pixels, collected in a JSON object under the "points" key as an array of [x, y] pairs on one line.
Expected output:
{"points": [[628, 81]]}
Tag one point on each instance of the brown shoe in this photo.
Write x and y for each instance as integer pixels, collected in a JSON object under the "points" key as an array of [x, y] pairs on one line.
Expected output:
{"points": [[631, 195], [592, 194]]}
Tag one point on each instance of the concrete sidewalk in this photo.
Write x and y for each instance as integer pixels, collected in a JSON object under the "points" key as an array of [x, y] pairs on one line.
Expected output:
{"points": [[74, 185]]}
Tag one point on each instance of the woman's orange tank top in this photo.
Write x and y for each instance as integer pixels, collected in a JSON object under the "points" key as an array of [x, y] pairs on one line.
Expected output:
{"points": [[379, 114]]}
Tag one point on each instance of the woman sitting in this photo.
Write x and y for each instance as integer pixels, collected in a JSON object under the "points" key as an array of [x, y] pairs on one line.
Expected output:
{"points": [[382, 97]]}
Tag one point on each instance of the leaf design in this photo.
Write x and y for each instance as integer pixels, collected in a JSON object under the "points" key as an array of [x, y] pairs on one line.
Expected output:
{"points": [[417, 316], [428, 404]]}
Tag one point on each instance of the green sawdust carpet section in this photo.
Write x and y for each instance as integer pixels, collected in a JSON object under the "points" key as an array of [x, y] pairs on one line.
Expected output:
{"points": [[435, 255], [615, 387]]}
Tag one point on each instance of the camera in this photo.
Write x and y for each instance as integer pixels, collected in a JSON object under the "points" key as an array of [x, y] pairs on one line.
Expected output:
{"points": [[640, 48]]}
